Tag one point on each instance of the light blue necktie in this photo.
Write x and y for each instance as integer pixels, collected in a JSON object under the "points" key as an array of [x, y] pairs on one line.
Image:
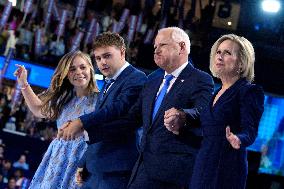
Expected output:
{"points": [[162, 94], [107, 84]]}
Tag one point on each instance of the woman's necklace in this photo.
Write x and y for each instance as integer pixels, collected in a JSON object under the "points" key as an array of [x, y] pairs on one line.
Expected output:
{"points": [[79, 103]]}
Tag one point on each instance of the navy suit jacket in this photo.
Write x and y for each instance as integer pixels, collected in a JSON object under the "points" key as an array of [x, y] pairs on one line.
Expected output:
{"points": [[107, 154], [168, 157]]}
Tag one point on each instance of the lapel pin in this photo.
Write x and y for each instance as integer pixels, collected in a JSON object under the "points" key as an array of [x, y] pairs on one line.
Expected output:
{"points": [[182, 80]]}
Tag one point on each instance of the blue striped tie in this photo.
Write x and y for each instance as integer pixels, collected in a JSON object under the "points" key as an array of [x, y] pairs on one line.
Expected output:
{"points": [[107, 84], [162, 94]]}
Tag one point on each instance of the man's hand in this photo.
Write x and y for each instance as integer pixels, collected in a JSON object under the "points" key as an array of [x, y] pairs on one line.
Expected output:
{"points": [[71, 130], [174, 119], [79, 176], [60, 131], [233, 139]]}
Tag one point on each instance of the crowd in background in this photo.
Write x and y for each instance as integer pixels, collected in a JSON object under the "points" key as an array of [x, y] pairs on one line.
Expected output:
{"points": [[155, 14], [20, 119], [14, 174], [106, 13], [21, 36]]}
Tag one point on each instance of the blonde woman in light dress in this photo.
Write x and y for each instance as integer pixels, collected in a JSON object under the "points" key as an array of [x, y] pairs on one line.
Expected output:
{"points": [[72, 93]]}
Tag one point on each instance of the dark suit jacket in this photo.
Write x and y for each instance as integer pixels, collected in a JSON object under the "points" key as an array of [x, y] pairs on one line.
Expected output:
{"points": [[168, 157], [114, 153]]}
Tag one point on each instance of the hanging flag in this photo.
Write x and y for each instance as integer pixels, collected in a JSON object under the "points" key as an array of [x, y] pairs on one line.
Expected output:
{"points": [[7, 60], [38, 37], [149, 36], [163, 23], [27, 10], [181, 13], [91, 32], [48, 13], [22, 6], [97, 29], [5, 14], [115, 26], [80, 10], [77, 41], [34, 13], [198, 8], [28, 6], [16, 98], [61, 26], [139, 22], [132, 28], [122, 20], [55, 12]]}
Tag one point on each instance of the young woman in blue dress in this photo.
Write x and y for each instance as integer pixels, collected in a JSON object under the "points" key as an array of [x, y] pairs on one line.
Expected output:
{"points": [[72, 93]]}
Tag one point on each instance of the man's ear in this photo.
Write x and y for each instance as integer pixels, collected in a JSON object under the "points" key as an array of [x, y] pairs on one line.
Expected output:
{"points": [[122, 50], [182, 45]]}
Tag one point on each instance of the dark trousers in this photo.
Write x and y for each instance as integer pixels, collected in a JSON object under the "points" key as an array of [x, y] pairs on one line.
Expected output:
{"points": [[109, 180], [142, 181]]}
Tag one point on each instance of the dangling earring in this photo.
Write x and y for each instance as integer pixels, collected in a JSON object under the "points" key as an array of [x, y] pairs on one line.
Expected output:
{"points": [[239, 71]]}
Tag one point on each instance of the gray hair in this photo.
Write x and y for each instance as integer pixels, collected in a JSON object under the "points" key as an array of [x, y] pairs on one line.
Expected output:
{"points": [[179, 35]]}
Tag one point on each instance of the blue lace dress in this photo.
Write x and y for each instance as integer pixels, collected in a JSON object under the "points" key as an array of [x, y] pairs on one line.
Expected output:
{"points": [[58, 166]]}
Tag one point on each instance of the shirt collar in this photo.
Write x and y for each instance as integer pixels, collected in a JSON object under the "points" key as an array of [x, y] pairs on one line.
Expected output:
{"points": [[178, 70], [119, 71]]}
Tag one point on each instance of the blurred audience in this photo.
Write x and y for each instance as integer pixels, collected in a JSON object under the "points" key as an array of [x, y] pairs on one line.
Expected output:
{"points": [[20, 35], [6, 170], [12, 183], [108, 15], [21, 181], [21, 163]]}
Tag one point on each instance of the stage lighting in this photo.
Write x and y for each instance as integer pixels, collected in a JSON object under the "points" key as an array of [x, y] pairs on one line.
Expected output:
{"points": [[226, 15], [272, 6], [14, 2]]}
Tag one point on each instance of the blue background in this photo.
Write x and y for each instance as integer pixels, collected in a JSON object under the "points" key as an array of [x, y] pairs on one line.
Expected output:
{"points": [[270, 139], [38, 75]]}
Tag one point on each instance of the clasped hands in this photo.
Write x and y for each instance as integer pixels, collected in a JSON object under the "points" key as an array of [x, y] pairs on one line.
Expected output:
{"points": [[174, 119], [70, 130]]}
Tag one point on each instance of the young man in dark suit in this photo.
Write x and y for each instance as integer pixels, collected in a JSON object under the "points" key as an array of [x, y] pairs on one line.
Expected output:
{"points": [[109, 158], [176, 90]]}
